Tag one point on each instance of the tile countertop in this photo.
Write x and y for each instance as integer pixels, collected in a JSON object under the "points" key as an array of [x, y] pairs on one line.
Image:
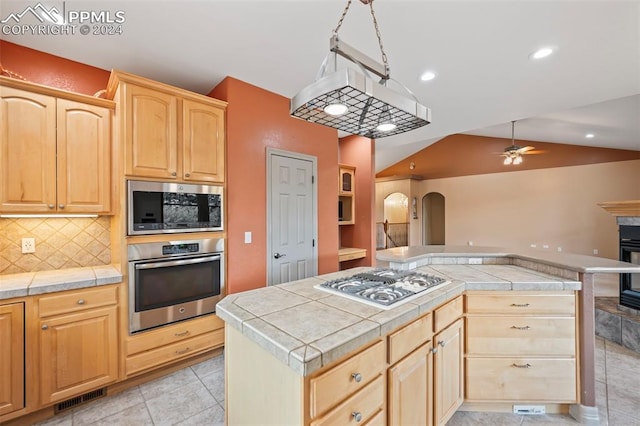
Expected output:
{"points": [[307, 328], [33, 283], [403, 257]]}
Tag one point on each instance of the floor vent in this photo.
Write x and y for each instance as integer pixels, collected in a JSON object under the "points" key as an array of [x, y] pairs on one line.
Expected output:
{"points": [[78, 400]]}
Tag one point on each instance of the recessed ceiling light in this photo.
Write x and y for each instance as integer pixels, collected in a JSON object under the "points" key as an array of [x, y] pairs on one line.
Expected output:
{"points": [[541, 53], [589, 136], [428, 75]]}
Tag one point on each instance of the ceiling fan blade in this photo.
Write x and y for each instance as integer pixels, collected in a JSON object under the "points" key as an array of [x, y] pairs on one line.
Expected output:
{"points": [[525, 149]]}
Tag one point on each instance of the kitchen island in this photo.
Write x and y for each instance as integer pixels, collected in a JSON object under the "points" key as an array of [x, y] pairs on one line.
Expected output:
{"points": [[282, 341]]}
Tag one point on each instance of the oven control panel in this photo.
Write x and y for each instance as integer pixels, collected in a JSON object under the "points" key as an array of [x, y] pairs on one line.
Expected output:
{"points": [[180, 249]]}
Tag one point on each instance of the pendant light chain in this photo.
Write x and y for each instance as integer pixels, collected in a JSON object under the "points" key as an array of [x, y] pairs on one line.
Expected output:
{"points": [[375, 26]]}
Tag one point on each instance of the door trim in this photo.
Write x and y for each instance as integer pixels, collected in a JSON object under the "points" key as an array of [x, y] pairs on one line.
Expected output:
{"points": [[314, 209]]}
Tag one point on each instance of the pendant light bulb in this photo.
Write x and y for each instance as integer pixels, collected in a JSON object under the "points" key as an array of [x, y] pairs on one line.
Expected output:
{"points": [[386, 123], [336, 109], [507, 161], [517, 160]]}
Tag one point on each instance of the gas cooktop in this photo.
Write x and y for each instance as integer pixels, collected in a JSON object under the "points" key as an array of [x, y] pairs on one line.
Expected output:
{"points": [[383, 288]]}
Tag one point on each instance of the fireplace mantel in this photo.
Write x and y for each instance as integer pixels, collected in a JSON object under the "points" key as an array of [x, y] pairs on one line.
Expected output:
{"points": [[622, 208]]}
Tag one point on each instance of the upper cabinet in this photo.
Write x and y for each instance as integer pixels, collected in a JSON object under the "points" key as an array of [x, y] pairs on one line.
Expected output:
{"points": [[55, 151], [346, 194], [169, 133]]}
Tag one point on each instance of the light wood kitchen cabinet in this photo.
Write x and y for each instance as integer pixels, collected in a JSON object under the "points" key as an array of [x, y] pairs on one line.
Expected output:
{"points": [[521, 347], [410, 388], [78, 342], [168, 133], [448, 348], [55, 152], [12, 355], [155, 348], [346, 195]]}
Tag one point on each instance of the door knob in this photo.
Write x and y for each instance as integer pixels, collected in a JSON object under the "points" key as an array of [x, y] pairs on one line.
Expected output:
{"points": [[278, 255]]}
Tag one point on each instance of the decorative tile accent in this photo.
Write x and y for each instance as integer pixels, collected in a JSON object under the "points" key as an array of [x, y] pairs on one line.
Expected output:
{"points": [[631, 334], [608, 326], [60, 243]]}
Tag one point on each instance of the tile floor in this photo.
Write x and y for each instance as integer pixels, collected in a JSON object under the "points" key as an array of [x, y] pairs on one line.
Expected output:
{"points": [[195, 396]]}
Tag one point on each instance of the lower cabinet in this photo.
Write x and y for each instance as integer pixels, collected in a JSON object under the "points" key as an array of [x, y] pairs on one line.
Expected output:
{"points": [[521, 347], [410, 388], [164, 345], [78, 342], [12, 356], [449, 372]]}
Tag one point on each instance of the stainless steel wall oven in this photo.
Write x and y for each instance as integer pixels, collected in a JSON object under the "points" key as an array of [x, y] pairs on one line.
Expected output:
{"points": [[174, 280]]}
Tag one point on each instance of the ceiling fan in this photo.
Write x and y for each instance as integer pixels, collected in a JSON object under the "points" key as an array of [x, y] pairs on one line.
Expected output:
{"points": [[513, 154]]}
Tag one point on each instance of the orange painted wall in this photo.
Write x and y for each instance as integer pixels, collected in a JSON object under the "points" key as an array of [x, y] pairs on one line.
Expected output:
{"points": [[360, 152], [53, 71], [257, 119]]}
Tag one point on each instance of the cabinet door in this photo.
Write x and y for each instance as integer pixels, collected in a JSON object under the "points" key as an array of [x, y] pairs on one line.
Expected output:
{"points": [[410, 389], [78, 353], [203, 141], [449, 373], [151, 133], [11, 358], [84, 157], [27, 152]]}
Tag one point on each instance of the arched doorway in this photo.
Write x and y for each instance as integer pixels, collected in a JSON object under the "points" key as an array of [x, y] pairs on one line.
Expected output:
{"points": [[396, 220], [433, 219]]}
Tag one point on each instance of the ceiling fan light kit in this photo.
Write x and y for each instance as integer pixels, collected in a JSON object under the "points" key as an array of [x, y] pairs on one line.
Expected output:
{"points": [[353, 102]]}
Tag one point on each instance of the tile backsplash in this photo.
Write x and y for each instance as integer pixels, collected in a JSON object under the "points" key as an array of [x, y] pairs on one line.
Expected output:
{"points": [[60, 243]]}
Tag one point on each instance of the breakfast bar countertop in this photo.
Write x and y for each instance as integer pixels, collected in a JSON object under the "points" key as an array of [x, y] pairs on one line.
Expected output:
{"points": [[34, 283], [307, 328]]}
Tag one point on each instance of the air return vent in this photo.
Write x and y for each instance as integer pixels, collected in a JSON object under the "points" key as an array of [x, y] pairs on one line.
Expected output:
{"points": [[78, 400]]}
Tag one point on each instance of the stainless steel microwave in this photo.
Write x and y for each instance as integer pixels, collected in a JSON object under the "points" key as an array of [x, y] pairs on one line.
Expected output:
{"points": [[165, 208]]}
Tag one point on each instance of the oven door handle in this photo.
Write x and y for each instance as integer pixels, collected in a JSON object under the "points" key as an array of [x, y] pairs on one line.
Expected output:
{"points": [[170, 263]]}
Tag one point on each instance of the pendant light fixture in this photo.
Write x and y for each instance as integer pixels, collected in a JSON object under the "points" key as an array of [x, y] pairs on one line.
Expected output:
{"points": [[353, 102]]}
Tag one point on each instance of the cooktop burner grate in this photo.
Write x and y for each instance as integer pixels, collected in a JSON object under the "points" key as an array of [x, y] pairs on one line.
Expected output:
{"points": [[383, 288]]}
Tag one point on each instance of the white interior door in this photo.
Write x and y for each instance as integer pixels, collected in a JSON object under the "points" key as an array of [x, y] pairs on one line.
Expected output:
{"points": [[292, 219]]}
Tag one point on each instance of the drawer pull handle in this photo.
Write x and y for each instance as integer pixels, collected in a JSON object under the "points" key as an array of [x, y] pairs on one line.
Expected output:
{"points": [[184, 333], [357, 377], [526, 327], [357, 416], [441, 343], [527, 365], [520, 305], [184, 351], [45, 327], [81, 302]]}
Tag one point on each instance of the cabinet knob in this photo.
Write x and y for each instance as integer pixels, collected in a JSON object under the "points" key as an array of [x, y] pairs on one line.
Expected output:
{"points": [[441, 343], [434, 350], [187, 174], [51, 206], [357, 377], [81, 302], [357, 416], [61, 206], [173, 173], [45, 327]]}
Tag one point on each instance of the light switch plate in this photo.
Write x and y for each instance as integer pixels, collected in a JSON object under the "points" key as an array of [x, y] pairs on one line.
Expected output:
{"points": [[247, 237]]}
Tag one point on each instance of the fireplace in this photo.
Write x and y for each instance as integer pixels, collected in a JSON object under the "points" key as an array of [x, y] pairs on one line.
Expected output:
{"points": [[630, 252]]}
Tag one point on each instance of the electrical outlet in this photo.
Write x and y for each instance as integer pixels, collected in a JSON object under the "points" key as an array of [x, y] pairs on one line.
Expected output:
{"points": [[28, 245], [595, 251], [247, 237]]}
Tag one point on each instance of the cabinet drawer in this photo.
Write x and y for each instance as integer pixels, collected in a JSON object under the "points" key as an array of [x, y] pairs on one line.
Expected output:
{"points": [[172, 334], [336, 384], [521, 335], [518, 303], [409, 337], [77, 300], [365, 405], [175, 351], [521, 379], [447, 314]]}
